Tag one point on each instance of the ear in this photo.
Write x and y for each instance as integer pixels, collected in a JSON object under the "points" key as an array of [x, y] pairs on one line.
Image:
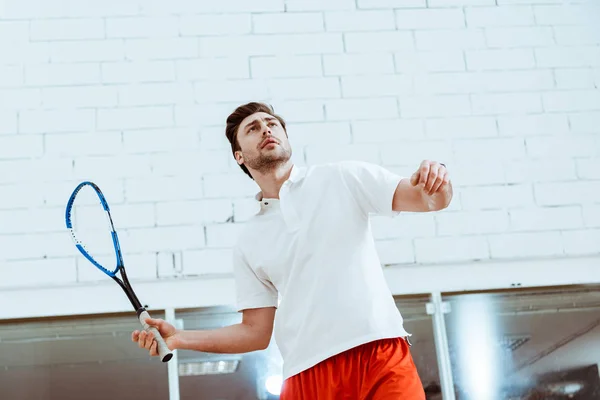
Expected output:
{"points": [[239, 157]]}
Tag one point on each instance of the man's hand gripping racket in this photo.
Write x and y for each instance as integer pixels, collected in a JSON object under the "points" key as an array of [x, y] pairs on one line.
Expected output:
{"points": [[101, 246]]}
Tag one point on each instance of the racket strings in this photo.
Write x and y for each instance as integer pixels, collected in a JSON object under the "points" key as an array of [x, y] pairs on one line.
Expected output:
{"points": [[92, 230]]}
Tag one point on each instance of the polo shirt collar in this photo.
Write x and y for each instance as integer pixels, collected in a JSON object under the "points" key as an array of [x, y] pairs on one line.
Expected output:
{"points": [[296, 175]]}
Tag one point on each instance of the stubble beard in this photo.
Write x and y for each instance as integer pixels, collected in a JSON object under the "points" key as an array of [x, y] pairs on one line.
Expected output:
{"points": [[270, 161]]}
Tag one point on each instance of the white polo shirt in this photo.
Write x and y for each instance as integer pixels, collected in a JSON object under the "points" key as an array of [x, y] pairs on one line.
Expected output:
{"points": [[314, 247]]}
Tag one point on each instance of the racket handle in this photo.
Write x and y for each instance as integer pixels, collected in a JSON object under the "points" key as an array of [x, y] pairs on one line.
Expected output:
{"points": [[163, 350]]}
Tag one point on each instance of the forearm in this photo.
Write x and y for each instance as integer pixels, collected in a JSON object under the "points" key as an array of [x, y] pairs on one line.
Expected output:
{"points": [[234, 339]]}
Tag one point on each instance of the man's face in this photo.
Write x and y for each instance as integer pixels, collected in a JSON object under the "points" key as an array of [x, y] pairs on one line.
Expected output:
{"points": [[263, 142]]}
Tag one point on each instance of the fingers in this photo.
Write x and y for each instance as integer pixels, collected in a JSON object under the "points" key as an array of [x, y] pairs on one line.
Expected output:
{"points": [[431, 176], [424, 170], [440, 180]]}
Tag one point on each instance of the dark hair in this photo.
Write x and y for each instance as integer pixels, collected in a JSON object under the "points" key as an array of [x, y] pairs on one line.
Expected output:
{"points": [[235, 119]]}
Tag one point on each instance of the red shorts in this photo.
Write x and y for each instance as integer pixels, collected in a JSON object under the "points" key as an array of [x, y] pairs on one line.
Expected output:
{"points": [[379, 370]]}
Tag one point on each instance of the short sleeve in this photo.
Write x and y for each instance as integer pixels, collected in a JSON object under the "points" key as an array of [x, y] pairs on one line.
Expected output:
{"points": [[371, 185], [252, 291]]}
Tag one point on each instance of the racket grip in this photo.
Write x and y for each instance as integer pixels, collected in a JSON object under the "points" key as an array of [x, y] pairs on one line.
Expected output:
{"points": [[164, 352]]}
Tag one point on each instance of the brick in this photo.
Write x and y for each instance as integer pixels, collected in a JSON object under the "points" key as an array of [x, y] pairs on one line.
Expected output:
{"points": [[169, 263], [581, 242], [31, 220], [78, 144], [17, 146], [229, 185], [494, 197], [8, 122], [450, 39], [506, 103], [369, 42], [354, 109], [156, 189], [142, 27], [428, 18], [215, 24], [516, 81], [11, 76], [25, 53], [413, 153], [161, 49], [205, 115], [585, 122], [483, 60], [67, 29], [304, 88], [591, 215], [405, 226], [159, 140], [470, 223], [588, 168], [459, 3], [35, 170], [197, 212], [564, 14], [231, 6], [499, 16], [119, 166], [47, 245], [533, 125], [230, 90], [576, 35], [15, 99], [575, 78], [135, 118], [565, 57], [37, 272], [387, 131], [79, 96], [139, 266], [207, 261], [385, 4], [190, 162], [286, 67], [525, 245], [545, 218], [430, 61], [561, 146], [283, 44], [287, 22], [489, 173], [245, 209], [20, 195], [325, 133], [358, 20], [56, 121], [223, 235], [374, 86], [127, 216], [55, 193], [567, 193], [447, 83], [484, 149], [318, 5], [140, 71], [519, 37], [540, 170], [60, 9], [213, 68], [317, 154], [148, 94], [435, 106], [462, 127], [358, 64], [301, 110], [11, 31], [164, 239], [62, 74], [213, 138], [399, 251], [450, 249], [572, 100], [86, 51]]}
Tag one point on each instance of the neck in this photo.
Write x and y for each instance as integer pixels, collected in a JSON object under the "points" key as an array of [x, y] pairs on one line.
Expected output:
{"points": [[270, 182]]}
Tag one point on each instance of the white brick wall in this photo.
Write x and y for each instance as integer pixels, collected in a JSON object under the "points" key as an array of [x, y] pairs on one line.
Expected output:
{"points": [[134, 96]]}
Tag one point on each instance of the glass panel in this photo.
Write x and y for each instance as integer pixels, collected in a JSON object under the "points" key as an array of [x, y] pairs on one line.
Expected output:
{"points": [[89, 358], [420, 325], [526, 344], [206, 376]]}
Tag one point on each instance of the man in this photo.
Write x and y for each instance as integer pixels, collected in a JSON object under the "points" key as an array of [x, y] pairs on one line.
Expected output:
{"points": [[310, 255]]}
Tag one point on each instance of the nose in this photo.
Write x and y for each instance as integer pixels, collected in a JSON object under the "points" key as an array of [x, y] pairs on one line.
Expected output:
{"points": [[265, 128]]}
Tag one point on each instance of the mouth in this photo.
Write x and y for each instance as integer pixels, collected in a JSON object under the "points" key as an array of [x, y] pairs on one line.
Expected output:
{"points": [[268, 142]]}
